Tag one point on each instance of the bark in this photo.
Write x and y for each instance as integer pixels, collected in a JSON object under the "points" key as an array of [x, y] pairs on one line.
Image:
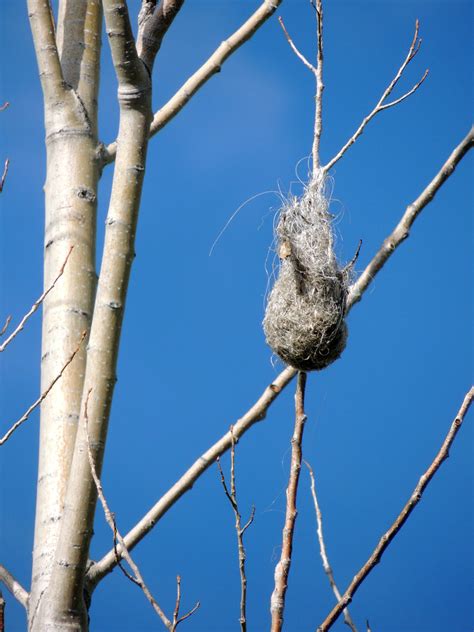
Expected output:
{"points": [[70, 219], [63, 606]]}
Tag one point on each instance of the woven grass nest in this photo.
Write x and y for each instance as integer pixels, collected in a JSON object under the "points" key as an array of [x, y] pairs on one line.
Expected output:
{"points": [[304, 318]]}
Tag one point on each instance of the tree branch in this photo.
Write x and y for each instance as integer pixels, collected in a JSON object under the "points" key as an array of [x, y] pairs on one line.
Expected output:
{"points": [[153, 24], [79, 43], [43, 396], [414, 499], [381, 105], [256, 413], [212, 66], [4, 174], [322, 549], [282, 569], [34, 307], [232, 496], [14, 586], [402, 230], [137, 577], [42, 28]]}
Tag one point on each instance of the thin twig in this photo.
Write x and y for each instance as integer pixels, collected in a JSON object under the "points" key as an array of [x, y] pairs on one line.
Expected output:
{"points": [[43, 396], [382, 104], [257, 411], [5, 326], [137, 577], [176, 618], [4, 106], [402, 230], [318, 113], [239, 530], [414, 499], [4, 174], [322, 549], [282, 569], [318, 74], [14, 586], [2, 613], [212, 66], [35, 305]]}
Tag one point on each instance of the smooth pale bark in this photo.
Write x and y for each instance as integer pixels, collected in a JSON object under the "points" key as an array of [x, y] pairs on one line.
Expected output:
{"points": [[70, 219], [63, 606]]}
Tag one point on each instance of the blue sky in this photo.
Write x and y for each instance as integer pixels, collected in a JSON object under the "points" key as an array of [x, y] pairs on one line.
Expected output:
{"points": [[193, 355]]}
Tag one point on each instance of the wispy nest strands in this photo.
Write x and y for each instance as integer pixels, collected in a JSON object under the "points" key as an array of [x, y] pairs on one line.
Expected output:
{"points": [[304, 319]]}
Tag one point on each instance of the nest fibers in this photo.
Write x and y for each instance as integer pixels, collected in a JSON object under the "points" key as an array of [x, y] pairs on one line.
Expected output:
{"points": [[304, 319]]}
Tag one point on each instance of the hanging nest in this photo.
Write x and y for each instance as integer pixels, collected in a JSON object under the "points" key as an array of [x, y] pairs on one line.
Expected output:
{"points": [[304, 319]]}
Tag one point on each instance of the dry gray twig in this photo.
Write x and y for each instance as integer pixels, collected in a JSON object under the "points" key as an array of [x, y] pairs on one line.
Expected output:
{"points": [[322, 548], [137, 577], [232, 496], [33, 308], [43, 395], [382, 104], [412, 502], [282, 569]]}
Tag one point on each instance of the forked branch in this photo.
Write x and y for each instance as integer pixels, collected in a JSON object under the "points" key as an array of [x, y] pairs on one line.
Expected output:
{"points": [[282, 569], [239, 529], [137, 577], [383, 104], [412, 502], [212, 66]]}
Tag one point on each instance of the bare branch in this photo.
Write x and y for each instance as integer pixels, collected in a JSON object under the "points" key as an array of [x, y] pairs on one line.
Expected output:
{"points": [[34, 307], [43, 30], [255, 414], [318, 113], [5, 326], [4, 174], [43, 396], [300, 55], [4, 106], [382, 104], [176, 618], [402, 230], [14, 586], [258, 411], [212, 66], [239, 530], [109, 516], [153, 23], [322, 548], [282, 569], [414, 499]]}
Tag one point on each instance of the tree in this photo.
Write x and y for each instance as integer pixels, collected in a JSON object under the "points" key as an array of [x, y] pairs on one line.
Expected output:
{"points": [[73, 171]]}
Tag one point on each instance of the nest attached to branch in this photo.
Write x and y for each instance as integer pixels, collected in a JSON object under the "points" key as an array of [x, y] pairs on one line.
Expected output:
{"points": [[304, 319]]}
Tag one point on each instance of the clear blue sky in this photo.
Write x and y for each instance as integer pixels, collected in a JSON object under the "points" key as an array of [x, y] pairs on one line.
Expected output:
{"points": [[193, 355]]}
